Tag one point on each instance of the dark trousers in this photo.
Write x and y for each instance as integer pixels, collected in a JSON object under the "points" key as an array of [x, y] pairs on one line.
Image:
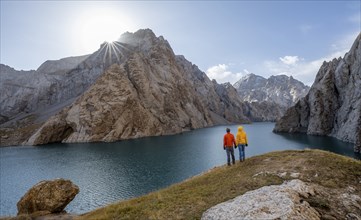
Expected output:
{"points": [[230, 152]]}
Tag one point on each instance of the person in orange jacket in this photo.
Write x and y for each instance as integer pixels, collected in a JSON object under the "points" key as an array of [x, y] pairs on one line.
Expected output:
{"points": [[228, 142], [241, 140]]}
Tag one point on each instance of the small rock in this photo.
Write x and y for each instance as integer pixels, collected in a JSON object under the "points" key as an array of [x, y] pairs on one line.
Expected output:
{"points": [[351, 216], [46, 197], [295, 175], [350, 189], [263, 173], [282, 174]]}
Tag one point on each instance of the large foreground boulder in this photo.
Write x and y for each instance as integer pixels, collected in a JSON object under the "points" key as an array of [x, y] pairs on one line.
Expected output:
{"points": [[269, 202], [46, 197]]}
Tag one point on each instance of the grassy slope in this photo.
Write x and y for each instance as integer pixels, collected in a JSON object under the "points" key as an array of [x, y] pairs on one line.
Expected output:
{"points": [[189, 199]]}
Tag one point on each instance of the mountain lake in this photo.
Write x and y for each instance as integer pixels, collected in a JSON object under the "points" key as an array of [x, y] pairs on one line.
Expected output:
{"points": [[109, 172]]}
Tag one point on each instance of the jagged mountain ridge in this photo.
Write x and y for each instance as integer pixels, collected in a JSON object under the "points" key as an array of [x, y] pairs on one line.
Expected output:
{"points": [[268, 99], [333, 105], [281, 89], [145, 90], [62, 65]]}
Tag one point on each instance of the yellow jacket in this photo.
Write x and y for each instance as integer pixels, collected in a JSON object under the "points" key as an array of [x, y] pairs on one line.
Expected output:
{"points": [[241, 137]]}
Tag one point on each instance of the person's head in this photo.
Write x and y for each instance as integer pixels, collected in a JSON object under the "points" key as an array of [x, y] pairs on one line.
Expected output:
{"points": [[228, 130], [240, 128]]}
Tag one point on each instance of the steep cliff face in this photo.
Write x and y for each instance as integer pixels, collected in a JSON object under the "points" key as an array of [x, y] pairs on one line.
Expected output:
{"points": [[333, 104], [150, 92], [268, 99], [221, 100]]}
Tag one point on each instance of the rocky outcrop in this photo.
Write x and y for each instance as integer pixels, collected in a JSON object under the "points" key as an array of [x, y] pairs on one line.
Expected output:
{"points": [[284, 201], [47, 197], [152, 92], [333, 104]]}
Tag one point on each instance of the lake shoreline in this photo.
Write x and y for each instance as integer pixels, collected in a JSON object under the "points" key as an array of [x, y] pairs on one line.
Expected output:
{"points": [[127, 169], [203, 190]]}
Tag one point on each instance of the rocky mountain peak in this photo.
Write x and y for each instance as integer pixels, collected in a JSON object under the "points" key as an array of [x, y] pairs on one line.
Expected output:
{"points": [[107, 96], [249, 81], [281, 89], [56, 82], [333, 104], [268, 99], [144, 40]]}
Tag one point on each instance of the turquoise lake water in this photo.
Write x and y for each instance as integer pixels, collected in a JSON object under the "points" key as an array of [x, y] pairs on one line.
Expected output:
{"points": [[109, 172]]}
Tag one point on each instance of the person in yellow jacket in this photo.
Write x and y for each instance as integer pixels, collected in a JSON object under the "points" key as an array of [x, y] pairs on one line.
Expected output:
{"points": [[241, 141]]}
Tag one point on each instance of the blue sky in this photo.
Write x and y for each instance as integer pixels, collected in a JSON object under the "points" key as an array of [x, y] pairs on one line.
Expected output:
{"points": [[225, 39]]}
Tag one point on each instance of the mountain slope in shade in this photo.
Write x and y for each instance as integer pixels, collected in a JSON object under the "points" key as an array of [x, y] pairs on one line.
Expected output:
{"points": [[333, 104], [146, 91], [50, 86]]}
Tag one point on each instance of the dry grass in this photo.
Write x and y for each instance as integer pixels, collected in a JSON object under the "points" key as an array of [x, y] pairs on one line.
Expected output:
{"points": [[189, 199]]}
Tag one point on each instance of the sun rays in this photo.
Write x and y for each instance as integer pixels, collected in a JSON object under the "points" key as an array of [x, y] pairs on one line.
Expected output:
{"points": [[112, 52], [93, 25]]}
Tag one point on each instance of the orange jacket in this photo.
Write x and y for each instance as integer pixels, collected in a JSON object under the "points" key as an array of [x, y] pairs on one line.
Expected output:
{"points": [[228, 140]]}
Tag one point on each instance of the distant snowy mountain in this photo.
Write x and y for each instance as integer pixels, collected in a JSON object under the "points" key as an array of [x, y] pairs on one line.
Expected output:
{"points": [[268, 99], [282, 90]]}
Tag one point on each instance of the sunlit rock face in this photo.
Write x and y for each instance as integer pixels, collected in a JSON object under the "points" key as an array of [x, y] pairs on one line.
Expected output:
{"points": [[333, 104], [268, 99], [285, 201], [147, 91]]}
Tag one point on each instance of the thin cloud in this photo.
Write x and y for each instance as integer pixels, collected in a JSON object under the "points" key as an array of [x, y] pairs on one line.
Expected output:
{"points": [[305, 70], [222, 74], [246, 71], [289, 60]]}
